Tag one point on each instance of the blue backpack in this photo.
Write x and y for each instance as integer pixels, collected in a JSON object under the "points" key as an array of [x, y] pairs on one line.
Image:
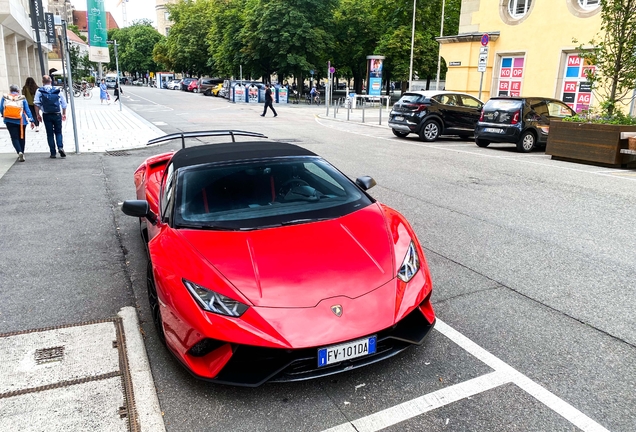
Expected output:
{"points": [[50, 100]]}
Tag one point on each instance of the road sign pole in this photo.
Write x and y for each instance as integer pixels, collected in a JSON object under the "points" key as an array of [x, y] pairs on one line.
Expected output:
{"points": [[481, 82]]}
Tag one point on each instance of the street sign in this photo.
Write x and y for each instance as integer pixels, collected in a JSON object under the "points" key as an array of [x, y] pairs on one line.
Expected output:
{"points": [[311, 71], [483, 50], [483, 61], [485, 39], [332, 69]]}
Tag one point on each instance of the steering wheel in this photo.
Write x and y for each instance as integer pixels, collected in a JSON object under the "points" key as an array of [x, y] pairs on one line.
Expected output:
{"points": [[291, 183]]}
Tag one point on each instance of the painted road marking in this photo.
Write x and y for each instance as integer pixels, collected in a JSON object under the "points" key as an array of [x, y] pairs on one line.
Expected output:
{"points": [[503, 374], [475, 153]]}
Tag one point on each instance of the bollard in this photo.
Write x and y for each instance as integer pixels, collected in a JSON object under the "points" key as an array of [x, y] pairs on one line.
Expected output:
{"points": [[362, 110], [380, 112], [348, 111]]}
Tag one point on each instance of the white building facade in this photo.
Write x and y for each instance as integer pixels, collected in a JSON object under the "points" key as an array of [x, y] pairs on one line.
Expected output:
{"points": [[19, 57]]}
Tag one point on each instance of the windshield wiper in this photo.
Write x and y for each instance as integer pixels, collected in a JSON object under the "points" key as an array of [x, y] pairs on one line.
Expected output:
{"points": [[207, 227], [306, 220]]}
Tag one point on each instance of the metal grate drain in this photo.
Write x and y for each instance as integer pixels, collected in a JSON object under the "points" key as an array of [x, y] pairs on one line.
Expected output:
{"points": [[48, 355], [117, 153]]}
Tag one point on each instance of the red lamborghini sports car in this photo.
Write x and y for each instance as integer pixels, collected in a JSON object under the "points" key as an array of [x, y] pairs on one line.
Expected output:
{"points": [[266, 263]]}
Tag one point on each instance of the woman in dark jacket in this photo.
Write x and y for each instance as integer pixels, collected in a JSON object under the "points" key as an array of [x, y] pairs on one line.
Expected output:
{"points": [[29, 89], [117, 92]]}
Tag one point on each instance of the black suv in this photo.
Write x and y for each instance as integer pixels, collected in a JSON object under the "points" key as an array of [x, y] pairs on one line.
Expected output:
{"points": [[433, 113], [522, 121]]}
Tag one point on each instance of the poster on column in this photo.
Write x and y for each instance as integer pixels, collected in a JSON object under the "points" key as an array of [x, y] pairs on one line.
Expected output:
{"points": [[97, 31], [374, 68], [282, 95]]}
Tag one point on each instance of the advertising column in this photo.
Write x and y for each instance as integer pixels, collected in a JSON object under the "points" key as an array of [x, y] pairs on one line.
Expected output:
{"points": [[374, 75], [97, 31]]}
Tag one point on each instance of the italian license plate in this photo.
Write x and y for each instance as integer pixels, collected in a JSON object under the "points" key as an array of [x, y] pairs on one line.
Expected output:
{"points": [[493, 130], [346, 351], [398, 118]]}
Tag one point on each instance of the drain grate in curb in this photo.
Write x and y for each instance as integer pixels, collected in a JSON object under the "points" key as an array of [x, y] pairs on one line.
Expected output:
{"points": [[117, 153], [47, 355]]}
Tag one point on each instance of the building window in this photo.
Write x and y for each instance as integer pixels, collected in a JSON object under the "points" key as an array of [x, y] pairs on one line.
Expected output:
{"points": [[589, 4], [518, 8], [577, 90], [511, 76], [166, 16], [167, 30]]}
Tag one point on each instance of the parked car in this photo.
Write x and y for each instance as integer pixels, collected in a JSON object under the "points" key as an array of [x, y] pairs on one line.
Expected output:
{"points": [[215, 91], [193, 86], [433, 113], [185, 83], [522, 121], [205, 85], [253, 247], [174, 84]]}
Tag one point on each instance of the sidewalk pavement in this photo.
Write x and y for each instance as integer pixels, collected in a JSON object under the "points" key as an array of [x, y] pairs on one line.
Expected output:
{"points": [[371, 115], [100, 127]]}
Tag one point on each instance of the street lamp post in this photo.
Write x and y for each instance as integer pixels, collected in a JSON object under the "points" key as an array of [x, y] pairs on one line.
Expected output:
{"points": [[114, 43], [412, 44], [439, 55], [70, 85]]}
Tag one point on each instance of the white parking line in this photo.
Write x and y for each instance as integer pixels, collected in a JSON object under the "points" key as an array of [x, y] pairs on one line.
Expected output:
{"points": [[503, 374]]}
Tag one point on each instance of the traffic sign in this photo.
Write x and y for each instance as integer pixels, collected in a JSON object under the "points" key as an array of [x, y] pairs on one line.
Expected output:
{"points": [[485, 39], [483, 50], [332, 69], [483, 61], [311, 71]]}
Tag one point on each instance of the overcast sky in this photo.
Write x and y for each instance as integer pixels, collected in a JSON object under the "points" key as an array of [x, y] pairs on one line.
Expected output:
{"points": [[135, 9]]}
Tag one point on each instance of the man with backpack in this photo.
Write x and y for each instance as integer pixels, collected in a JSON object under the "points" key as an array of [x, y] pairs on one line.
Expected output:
{"points": [[16, 113], [50, 108]]}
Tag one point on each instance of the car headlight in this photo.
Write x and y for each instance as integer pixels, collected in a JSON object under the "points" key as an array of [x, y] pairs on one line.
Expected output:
{"points": [[214, 302], [410, 265]]}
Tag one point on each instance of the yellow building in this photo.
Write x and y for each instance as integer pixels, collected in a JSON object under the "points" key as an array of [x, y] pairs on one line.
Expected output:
{"points": [[531, 49]]}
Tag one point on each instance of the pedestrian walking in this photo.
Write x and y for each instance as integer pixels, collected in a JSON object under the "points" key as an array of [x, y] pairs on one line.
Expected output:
{"points": [[29, 89], [16, 114], [50, 109], [103, 93], [269, 98], [117, 91]]}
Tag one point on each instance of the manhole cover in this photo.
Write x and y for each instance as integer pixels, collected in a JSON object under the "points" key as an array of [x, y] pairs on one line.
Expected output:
{"points": [[117, 153], [47, 355]]}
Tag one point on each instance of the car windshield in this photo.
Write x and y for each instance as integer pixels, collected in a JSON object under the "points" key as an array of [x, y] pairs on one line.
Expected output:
{"points": [[507, 105], [265, 193]]}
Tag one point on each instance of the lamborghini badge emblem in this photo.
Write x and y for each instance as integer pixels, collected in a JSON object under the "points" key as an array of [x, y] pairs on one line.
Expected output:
{"points": [[337, 310]]}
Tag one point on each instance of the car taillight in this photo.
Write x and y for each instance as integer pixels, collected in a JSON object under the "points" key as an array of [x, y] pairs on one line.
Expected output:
{"points": [[481, 117], [420, 108], [515, 117]]}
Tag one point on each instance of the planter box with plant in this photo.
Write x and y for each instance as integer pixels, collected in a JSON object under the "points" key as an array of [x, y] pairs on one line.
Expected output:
{"points": [[597, 136]]}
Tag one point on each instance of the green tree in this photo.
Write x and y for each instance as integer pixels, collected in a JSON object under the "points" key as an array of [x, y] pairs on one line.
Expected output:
{"points": [[135, 46], [615, 55], [187, 46], [224, 36]]}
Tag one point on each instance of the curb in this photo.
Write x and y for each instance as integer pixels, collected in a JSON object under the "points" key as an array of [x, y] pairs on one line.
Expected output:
{"points": [[146, 401]]}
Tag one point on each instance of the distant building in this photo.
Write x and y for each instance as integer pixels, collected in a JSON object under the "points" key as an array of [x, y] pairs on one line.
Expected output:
{"points": [[163, 16], [18, 50], [63, 8], [531, 49]]}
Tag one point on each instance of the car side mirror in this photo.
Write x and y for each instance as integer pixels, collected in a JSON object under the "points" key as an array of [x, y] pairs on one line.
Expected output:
{"points": [[366, 182], [139, 208]]}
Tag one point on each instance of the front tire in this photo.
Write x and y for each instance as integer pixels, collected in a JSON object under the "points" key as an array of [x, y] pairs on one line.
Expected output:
{"points": [[430, 131], [153, 300], [196, 90], [482, 143], [400, 134], [527, 142]]}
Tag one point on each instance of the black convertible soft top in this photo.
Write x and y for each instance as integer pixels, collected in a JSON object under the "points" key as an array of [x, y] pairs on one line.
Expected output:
{"points": [[235, 151]]}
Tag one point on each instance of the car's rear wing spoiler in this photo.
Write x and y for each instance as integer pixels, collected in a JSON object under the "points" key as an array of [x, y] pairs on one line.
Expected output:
{"points": [[198, 134]]}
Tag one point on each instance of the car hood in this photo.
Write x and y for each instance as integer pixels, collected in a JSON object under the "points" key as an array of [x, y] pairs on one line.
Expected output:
{"points": [[300, 265]]}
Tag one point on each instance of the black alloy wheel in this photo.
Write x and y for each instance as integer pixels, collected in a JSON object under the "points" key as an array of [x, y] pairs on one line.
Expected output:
{"points": [[399, 134], [481, 142], [430, 131], [527, 142], [153, 300]]}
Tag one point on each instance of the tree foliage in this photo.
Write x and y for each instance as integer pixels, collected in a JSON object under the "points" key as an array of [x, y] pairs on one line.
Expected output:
{"points": [[135, 45], [615, 54], [292, 37]]}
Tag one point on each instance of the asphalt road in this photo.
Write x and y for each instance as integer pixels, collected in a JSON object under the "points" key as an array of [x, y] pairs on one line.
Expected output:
{"points": [[533, 260]]}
